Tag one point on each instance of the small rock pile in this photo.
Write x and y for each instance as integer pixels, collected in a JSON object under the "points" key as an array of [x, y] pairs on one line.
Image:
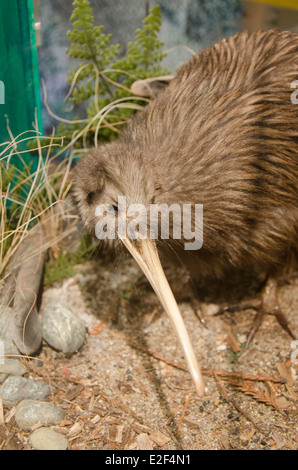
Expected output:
{"points": [[63, 331]]}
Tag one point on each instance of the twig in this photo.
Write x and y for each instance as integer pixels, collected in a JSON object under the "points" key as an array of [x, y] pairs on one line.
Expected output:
{"points": [[233, 402], [187, 402], [1, 412], [226, 375], [118, 404]]}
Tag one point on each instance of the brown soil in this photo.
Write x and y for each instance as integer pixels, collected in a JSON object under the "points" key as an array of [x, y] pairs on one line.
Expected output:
{"points": [[127, 388]]}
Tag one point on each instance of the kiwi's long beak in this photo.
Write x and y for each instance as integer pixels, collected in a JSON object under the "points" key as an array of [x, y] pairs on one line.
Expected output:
{"points": [[145, 253]]}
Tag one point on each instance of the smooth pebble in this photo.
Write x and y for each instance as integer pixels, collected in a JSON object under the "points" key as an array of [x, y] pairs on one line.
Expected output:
{"points": [[47, 439], [30, 412], [15, 389], [61, 328]]}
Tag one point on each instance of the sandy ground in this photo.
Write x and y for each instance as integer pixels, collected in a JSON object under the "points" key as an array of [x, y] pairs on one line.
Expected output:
{"points": [[127, 388]]}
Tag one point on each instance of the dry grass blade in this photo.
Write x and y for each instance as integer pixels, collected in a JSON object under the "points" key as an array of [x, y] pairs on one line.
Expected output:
{"points": [[29, 197]]}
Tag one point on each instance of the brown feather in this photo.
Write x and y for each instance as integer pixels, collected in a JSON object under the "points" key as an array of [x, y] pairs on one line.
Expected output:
{"points": [[223, 134]]}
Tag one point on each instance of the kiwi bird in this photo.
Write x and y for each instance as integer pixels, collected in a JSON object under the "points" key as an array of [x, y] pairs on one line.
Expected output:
{"points": [[223, 135]]}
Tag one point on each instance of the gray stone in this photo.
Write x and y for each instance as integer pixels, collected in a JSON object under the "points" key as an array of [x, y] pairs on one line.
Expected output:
{"points": [[30, 412], [7, 345], [12, 367], [15, 389], [3, 377], [61, 328], [47, 439]]}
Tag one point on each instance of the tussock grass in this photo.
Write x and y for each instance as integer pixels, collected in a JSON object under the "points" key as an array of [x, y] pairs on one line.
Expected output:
{"points": [[31, 197], [39, 196]]}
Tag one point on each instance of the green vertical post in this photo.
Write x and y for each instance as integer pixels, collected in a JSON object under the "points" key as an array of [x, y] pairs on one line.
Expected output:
{"points": [[19, 74]]}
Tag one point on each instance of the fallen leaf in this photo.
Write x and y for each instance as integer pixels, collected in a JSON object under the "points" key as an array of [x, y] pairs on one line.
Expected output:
{"points": [[66, 371], [97, 329]]}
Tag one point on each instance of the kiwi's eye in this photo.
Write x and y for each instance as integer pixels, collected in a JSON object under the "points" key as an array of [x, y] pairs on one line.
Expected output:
{"points": [[90, 197], [114, 208]]}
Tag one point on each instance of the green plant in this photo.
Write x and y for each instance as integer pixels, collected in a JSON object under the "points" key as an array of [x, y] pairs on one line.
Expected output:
{"points": [[101, 83], [102, 80], [233, 357], [64, 265]]}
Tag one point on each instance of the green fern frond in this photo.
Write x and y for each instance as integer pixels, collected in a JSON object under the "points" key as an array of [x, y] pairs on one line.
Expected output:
{"points": [[102, 76]]}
